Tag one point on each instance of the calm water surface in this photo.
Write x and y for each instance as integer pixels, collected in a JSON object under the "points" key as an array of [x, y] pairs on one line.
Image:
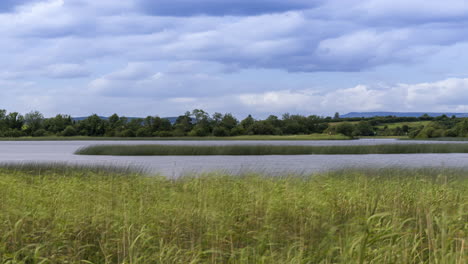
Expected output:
{"points": [[175, 166]]}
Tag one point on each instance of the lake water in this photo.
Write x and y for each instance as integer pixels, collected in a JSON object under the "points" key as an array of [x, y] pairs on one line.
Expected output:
{"points": [[175, 166]]}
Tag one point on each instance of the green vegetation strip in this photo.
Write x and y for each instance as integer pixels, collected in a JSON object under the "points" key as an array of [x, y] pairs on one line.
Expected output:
{"points": [[253, 137], [192, 150], [79, 215]]}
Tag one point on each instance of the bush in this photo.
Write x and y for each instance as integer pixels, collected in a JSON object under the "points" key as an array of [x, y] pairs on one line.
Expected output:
{"points": [[198, 132], [451, 133], [178, 133], [14, 133], [69, 131], [220, 132], [345, 129], [126, 133], [39, 133], [162, 134], [143, 132], [238, 130]]}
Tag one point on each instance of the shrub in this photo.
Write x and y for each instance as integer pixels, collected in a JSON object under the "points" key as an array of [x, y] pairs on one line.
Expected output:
{"points": [[178, 133], [143, 132], [39, 133], [14, 133], [162, 134], [69, 131], [220, 132], [238, 130], [345, 129], [126, 133], [198, 132]]}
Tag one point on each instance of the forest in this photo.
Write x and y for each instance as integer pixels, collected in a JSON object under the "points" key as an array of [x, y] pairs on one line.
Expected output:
{"points": [[199, 123]]}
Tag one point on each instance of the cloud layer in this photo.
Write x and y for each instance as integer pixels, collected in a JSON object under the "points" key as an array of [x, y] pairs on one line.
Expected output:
{"points": [[222, 7], [265, 55]]}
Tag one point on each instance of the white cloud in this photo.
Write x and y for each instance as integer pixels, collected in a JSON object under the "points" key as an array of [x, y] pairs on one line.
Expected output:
{"points": [[133, 71], [67, 71], [445, 95]]}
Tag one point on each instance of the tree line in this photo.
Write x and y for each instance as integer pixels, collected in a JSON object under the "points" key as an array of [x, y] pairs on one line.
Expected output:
{"points": [[199, 123], [196, 123]]}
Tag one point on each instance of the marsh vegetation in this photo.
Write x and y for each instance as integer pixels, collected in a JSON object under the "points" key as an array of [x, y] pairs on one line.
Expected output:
{"points": [[246, 150], [56, 214]]}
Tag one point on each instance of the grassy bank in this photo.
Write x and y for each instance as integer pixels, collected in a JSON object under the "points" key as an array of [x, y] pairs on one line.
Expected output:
{"points": [[384, 137], [192, 150], [254, 137], [401, 124], [103, 216]]}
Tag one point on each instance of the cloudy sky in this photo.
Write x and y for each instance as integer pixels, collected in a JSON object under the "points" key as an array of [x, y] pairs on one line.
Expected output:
{"points": [[163, 57]]}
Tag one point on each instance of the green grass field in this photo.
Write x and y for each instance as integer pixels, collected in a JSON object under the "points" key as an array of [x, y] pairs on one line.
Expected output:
{"points": [[401, 124], [55, 214], [389, 125], [254, 137], [234, 150]]}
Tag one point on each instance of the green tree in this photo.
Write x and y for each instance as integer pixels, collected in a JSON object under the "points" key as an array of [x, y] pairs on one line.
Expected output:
{"points": [[183, 125], [57, 124], [3, 122], [92, 126], [224, 125], [34, 121], [202, 125], [263, 128], [294, 124], [115, 125], [14, 121], [69, 131], [363, 128], [247, 124], [345, 128]]}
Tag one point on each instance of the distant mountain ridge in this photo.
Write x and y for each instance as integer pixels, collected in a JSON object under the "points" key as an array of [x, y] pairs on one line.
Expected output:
{"points": [[400, 114]]}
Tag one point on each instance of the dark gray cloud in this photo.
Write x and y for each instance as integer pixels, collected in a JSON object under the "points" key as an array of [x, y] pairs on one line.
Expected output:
{"points": [[221, 7]]}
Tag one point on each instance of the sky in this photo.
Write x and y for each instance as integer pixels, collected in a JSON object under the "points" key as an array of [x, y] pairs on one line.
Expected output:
{"points": [[259, 57]]}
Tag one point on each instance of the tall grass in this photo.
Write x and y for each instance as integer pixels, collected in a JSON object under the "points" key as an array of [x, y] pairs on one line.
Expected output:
{"points": [[360, 216], [192, 150]]}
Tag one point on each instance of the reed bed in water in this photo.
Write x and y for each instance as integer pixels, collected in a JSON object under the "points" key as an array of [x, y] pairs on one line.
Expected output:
{"points": [[244, 150], [81, 215]]}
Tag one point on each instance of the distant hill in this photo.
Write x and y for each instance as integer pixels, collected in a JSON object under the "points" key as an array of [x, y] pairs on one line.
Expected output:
{"points": [[400, 114], [171, 119]]}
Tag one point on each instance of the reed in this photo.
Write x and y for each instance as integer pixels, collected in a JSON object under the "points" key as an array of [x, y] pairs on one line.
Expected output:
{"points": [[81, 215], [244, 150]]}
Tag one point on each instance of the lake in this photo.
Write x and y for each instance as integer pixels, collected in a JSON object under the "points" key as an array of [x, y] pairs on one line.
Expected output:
{"points": [[175, 166]]}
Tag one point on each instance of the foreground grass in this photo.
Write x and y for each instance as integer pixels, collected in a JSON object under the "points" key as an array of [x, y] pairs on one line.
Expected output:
{"points": [[193, 150], [60, 215], [254, 137]]}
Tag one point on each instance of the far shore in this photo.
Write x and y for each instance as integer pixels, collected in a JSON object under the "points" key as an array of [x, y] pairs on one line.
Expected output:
{"points": [[253, 137]]}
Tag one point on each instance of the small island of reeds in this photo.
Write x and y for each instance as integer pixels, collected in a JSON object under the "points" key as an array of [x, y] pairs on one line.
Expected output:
{"points": [[246, 150]]}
